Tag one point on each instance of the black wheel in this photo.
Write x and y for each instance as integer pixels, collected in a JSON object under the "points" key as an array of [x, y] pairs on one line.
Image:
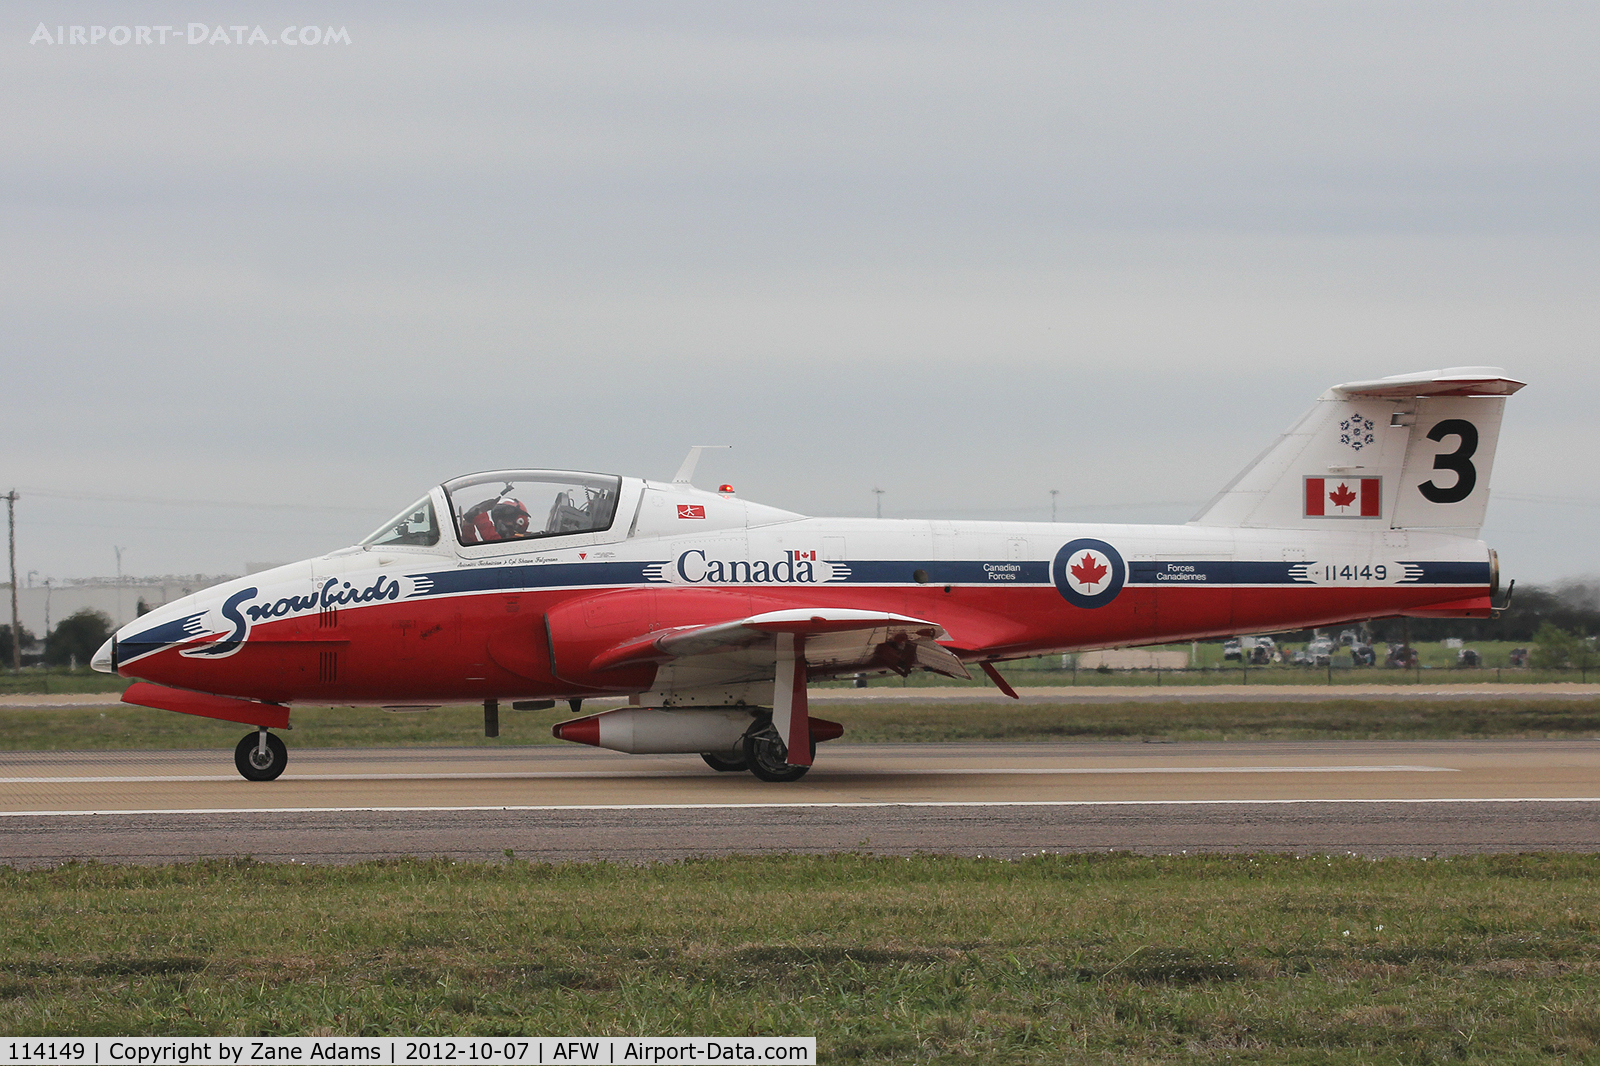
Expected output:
{"points": [[768, 758], [727, 762], [257, 765]]}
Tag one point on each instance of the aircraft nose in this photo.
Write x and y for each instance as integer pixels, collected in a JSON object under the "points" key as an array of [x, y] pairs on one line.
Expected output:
{"points": [[105, 660]]}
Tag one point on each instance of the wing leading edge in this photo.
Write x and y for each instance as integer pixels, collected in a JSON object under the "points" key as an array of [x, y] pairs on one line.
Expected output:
{"points": [[835, 641]]}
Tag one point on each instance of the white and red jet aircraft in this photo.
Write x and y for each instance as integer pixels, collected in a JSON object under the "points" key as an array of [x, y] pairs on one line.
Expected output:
{"points": [[710, 613]]}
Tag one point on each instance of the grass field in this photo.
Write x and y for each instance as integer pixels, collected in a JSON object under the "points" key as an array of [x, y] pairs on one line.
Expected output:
{"points": [[120, 726], [1438, 667], [1111, 958], [36, 681]]}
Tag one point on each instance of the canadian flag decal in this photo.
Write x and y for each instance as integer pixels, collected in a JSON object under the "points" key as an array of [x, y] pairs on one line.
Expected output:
{"points": [[1345, 497], [691, 510]]}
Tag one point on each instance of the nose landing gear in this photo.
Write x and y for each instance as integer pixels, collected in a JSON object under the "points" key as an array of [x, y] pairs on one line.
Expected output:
{"points": [[260, 756]]}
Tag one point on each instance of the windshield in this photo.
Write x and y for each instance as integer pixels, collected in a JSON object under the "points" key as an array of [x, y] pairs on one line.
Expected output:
{"points": [[417, 524], [526, 504]]}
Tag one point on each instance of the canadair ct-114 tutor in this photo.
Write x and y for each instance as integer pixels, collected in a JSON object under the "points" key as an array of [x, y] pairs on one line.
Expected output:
{"points": [[710, 613]]}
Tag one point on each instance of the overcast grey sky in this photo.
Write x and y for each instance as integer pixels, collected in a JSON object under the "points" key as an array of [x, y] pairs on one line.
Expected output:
{"points": [[965, 253]]}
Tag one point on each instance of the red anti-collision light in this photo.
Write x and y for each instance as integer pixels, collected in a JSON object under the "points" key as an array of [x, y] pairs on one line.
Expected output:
{"points": [[725, 488]]}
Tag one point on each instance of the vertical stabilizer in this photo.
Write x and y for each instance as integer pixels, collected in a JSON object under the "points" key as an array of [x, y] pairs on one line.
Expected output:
{"points": [[1413, 451]]}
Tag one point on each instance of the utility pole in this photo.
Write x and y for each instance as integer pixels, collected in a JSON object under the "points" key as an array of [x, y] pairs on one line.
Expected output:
{"points": [[879, 494], [1053, 494], [16, 623], [119, 583]]}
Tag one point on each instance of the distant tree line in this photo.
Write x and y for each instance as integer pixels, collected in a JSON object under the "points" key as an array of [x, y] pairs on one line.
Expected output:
{"points": [[6, 644], [1555, 622], [75, 639], [1569, 608]]}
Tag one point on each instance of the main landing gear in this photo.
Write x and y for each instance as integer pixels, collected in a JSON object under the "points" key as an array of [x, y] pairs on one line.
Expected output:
{"points": [[762, 753], [727, 762], [260, 756], [767, 758]]}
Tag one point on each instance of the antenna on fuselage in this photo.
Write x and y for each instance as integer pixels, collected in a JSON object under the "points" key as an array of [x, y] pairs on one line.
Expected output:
{"points": [[686, 471]]}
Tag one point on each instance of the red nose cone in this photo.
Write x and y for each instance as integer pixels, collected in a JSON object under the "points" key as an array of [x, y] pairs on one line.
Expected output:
{"points": [[579, 730]]}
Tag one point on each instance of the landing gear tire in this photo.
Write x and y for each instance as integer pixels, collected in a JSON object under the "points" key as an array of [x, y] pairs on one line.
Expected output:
{"points": [[768, 758], [726, 762], [257, 765]]}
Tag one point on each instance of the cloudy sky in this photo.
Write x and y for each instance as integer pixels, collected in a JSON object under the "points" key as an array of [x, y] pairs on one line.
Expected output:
{"points": [[259, 296]]}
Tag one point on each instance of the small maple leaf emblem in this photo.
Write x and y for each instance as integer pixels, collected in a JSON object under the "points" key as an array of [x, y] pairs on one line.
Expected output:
{"points": [[1088, 571], [1342, 496]]}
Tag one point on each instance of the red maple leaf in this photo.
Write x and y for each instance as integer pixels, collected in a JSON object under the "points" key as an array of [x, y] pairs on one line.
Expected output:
{"points": [[1088, 571], [1342, 496]]}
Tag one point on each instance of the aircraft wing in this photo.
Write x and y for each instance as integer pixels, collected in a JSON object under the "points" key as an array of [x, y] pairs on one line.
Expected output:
{"points": [[836, 640], [759, 659]]}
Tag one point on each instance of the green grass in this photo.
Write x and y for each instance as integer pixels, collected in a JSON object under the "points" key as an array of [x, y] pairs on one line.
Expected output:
{"points": [[1047, 671], [1113, 958], [59, 680], [122, 727]]}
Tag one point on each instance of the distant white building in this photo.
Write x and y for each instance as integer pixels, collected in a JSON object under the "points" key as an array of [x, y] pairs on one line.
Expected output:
{"points": [[40, 607]]}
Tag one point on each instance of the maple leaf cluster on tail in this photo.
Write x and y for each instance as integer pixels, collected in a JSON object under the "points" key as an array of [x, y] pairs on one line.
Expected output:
{"points": [[1342, 496], [1088, 571]]}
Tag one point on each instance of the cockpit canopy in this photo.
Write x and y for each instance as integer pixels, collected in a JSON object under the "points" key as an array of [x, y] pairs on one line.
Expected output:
{"points": [[509, 505], [530, 504]]}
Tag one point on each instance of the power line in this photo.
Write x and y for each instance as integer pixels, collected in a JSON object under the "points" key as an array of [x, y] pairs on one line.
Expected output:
{"points": [[158, 501]]}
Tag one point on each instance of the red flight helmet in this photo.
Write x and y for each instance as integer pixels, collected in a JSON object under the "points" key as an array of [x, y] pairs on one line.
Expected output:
{"points": [[510, 518]]}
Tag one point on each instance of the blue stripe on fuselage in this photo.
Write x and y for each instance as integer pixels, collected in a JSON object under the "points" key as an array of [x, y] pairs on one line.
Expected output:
{"points": [[902, 572]]}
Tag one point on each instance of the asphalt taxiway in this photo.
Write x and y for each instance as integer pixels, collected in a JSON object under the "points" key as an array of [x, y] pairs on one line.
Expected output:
{"points": [[571, 803]]}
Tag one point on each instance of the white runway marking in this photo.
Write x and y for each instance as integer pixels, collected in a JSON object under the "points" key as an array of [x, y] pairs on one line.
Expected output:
{"points": [[782, 805], [518, 775]]}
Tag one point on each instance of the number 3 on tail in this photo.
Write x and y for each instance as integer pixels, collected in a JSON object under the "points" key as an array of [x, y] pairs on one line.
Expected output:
{"points": [[1459, 461]]}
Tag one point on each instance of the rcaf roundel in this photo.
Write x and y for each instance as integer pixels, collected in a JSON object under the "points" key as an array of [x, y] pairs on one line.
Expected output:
{"points": [[1088, 572]]}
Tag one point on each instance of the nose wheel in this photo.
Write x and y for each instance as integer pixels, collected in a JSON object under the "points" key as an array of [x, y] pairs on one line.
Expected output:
{"points": [[260, 756]]}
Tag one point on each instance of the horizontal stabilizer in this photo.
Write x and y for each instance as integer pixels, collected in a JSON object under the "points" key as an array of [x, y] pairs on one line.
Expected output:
{"points": [[1457, 381]]}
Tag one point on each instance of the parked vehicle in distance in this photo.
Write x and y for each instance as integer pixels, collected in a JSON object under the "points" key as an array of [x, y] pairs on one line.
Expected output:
{"points": [[1401, 656], [1363, 655], [1468, 657]]}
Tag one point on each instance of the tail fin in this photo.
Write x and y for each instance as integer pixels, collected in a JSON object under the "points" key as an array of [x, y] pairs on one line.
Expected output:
{"points": [[1407, 452]]}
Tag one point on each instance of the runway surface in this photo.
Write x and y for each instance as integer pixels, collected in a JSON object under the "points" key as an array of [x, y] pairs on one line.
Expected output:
{"points": [[572, 803]]}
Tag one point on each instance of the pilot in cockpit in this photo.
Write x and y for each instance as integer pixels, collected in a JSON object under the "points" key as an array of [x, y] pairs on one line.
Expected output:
{"points": [[492, 520]]}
